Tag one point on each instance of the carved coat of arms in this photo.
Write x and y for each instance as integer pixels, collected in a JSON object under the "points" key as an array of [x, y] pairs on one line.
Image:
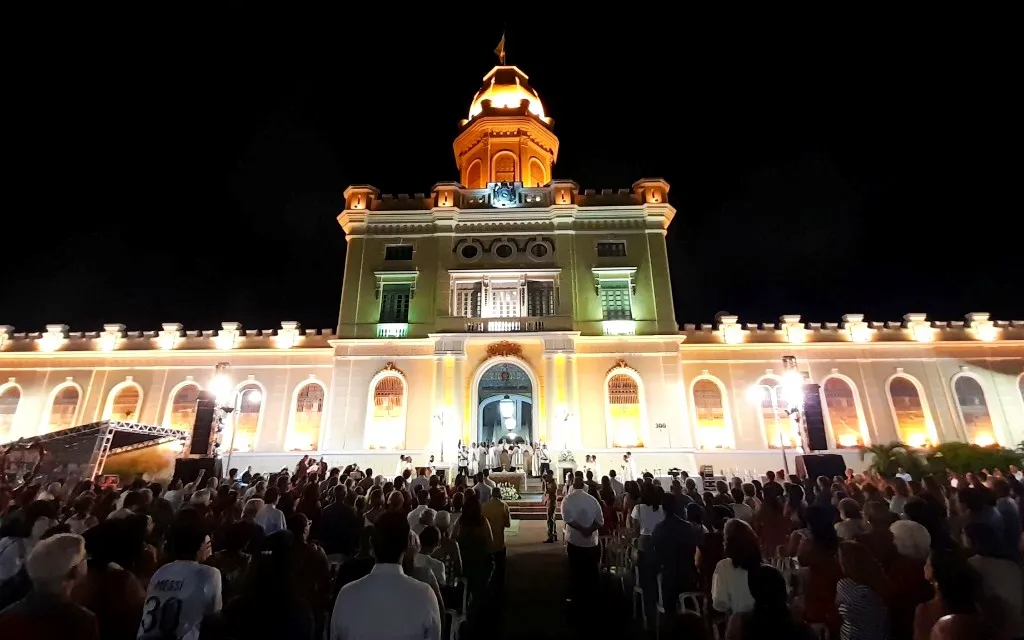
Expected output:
{"points": [[504, 349], [504, 194]]}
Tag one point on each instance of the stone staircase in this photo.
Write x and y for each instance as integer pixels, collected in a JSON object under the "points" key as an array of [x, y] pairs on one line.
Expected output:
{"points": [[531, 505]]}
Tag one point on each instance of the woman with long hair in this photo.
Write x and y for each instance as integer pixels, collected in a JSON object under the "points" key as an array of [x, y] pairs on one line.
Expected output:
{"points": [[475, 538], [730, 592], [860, 594], [818, 553]]}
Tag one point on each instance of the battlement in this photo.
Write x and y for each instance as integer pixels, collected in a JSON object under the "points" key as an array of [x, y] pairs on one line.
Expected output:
{"points": [[172, 337], [915, 327], [505, 195]]}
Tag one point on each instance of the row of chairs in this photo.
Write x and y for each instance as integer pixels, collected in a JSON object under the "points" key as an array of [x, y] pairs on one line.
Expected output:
{"points": [[619, 562]]}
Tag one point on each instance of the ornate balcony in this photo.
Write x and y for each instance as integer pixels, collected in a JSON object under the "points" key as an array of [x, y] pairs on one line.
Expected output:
{"points": [[504, 325]]}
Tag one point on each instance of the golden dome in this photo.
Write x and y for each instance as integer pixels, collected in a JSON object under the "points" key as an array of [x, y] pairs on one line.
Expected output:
{"points": [[506, 88]]}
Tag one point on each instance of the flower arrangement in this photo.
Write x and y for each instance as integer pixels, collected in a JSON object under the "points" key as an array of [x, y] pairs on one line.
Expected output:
{"points": [[567, 456], [508, 492]]}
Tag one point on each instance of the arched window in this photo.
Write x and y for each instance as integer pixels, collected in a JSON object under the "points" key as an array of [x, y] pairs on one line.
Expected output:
{"points": [[10, 398], [64, 408], [909, 412], [970, 401], [536, 173], [247, 422], [505, 167], [625, 422], [841, 404], [309, 410], [777, 426], [385, 427], [474, 175], [709, 415], [124, 402], [182, 412]]}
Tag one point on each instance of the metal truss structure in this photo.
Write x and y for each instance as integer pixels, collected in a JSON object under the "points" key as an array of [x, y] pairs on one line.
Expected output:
{"points": [[104, 432]]}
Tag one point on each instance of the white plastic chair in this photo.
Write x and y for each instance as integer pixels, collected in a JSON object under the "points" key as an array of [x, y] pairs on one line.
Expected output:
{"points": [[459, 617]]}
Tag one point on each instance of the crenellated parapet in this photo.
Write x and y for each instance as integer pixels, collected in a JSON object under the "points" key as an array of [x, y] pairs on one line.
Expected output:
{"points": [[367, 210], [914, 328], [171, 337]]}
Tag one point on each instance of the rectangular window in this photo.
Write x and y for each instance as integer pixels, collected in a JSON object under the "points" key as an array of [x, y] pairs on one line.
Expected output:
{"points": [[467, 300], [611, 249], [394, 303], [540, 298], [398, 252], [615, 300]]}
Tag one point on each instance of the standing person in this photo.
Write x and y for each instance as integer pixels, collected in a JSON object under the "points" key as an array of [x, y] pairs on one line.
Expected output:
{"points": [[527, 460], [496, 512], [365, 608], [583, 517], [183, 592], [550, 499], [463, 459], [545, 460]]}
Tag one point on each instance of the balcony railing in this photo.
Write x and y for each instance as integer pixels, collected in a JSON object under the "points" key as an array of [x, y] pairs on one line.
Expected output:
{"points": [[504, 325], [393, 330]]}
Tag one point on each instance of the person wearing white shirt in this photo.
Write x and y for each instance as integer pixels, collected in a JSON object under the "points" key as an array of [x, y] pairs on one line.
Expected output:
{"points": [[481, 458], [632, 465], [270, 518], [627, 470], [430, 537], [419, 482], [483, 492], [182, 593], [366, 608], [463, 456], [730, 592], [583, 517], [543, 459], [400, 467], [900, 473]]}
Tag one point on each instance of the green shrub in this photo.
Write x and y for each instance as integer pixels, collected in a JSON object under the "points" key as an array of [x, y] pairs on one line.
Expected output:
{"points": [[958, 457]]}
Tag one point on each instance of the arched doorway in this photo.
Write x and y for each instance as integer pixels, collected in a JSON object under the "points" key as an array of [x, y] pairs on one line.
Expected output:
{"points": [[505, 404]]}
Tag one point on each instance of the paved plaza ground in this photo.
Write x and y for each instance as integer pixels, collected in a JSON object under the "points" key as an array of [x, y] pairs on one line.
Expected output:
{"points": [[536, 604]]}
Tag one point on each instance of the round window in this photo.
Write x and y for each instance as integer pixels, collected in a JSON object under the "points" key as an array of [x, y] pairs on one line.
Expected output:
{"points": [[538, 249], [504, 251], [469, 251]]}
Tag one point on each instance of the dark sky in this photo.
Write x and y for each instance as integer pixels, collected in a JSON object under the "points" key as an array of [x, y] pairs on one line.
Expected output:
{"points": [[194, 174]]}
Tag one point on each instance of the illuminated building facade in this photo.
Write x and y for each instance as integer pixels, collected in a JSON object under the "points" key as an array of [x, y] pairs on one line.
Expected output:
{"points": [[514, 304]]}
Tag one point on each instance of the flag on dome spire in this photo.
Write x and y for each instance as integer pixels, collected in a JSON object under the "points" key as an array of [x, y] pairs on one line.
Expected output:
{"points": [[500, 50]]}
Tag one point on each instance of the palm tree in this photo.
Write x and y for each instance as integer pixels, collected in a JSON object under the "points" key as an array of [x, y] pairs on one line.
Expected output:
{"points": [[888, 458]]}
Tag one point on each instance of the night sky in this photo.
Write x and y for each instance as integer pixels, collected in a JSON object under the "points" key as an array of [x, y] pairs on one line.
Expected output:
{"points": [[196, 177]]}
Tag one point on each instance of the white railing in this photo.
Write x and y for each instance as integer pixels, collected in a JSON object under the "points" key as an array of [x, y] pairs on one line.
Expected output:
{"points": [[393, 330], [504, 325]]}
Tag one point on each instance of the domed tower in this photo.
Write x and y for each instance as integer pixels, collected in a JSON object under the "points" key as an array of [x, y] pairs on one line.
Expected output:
{"points": [[507, 136]]}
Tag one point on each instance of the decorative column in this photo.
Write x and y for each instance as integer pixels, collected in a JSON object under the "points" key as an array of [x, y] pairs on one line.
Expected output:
{"points": [[551, 409], [458, 409], [573, 436]]}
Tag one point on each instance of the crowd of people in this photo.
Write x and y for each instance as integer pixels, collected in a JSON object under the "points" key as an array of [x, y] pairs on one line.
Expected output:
{"points": [[854, 557], [305, 553], [313, 552]]}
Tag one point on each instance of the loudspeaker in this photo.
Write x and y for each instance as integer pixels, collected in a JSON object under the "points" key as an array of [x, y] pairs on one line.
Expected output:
{"points": [[813, 465], [202, 428], [814, 419], [187, 469]]}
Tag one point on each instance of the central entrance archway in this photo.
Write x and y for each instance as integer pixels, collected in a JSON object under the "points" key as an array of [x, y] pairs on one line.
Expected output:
{"points": [[505, 410]]}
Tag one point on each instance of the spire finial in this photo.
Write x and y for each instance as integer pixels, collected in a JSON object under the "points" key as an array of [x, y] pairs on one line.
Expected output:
{"points": [[500, 50]]}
